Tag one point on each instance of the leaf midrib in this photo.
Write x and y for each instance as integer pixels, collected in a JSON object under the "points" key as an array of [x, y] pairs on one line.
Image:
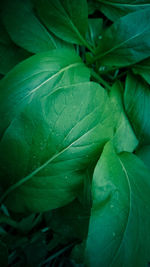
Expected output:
{"points": [[53, 76], [28, 177]]}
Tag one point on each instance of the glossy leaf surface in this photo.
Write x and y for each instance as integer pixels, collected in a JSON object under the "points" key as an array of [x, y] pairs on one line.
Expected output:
{"points": [[66, 19], [127, 41], [25, 29], [120, 215], [35, 76], [48, 134]]}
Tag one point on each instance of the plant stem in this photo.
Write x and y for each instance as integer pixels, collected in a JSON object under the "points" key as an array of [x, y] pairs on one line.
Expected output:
{"points": [[100, 80]]}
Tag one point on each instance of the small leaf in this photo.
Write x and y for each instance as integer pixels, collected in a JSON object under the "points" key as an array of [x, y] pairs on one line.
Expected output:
{"points": [[25, 29], [119, 47]]}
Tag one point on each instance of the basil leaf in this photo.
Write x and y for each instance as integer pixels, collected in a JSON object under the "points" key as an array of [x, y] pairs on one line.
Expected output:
{"points": [[67, 20], [38, 75], [122, 125], [10, 54], [143, 69], [144, 154], [25, 29], [115, 9], [127, 41], [120, 217], [137, 106]]}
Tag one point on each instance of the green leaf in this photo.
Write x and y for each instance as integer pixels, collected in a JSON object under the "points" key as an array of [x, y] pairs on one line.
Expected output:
{"points": [[94, 32], [50, 146], [123, 128], [144, 154], [66, 19], [137, 106], [127, 41], [10, 54], [49, 136], [38, 75], [143, 69], [114, 9], [3, 255], [25, 29], [120, 218]]}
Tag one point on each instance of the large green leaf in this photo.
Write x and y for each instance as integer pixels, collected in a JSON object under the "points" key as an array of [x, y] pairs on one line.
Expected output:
{"points": [[143, 69], [121, 122], [127, 41], [25, 29], [119, 233], [115, 9], [38, 75], [66, 19], [49, 142], [137, 106], [54, 124], [10, 54]]}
